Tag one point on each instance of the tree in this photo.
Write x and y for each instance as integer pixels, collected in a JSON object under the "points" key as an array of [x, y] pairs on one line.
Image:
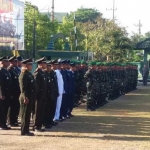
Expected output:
{"points": [[85, 14], [43, 26]]}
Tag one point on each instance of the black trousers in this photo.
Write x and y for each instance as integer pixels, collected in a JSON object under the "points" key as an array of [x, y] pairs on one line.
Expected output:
{"points": [[70, 103], [14, 109], [47, 113], [63, 109], [4, 107], [52, 108], [39, 113], [145, 80], [25, 116]]}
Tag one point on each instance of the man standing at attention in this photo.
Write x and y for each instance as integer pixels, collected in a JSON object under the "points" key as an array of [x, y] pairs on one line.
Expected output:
{"points": [[41, 82], [145, 73], [27, 96], [6, 92], [14, 104], [60, 90]]}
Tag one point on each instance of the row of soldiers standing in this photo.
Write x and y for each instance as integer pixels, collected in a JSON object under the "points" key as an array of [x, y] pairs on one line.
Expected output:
{"points": [[49, 93], [55, 87], [107, 81]]}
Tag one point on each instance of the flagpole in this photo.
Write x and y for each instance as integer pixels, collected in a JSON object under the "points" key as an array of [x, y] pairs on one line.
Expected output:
{"points": [[75, 32]]}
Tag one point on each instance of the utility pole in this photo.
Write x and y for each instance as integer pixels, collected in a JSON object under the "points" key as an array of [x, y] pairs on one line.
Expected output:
{"points": [[52, 13], [34, 33], [113, 9], [139, 25]]}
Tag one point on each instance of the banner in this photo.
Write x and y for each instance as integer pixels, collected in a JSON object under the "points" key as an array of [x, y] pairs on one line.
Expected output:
{"points": [[11, 25]]}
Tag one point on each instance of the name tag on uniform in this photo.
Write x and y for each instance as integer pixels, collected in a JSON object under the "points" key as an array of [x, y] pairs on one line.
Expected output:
{"points": [[44, 78], [7, 78], [31, 80], [49, 81], [15, 77]]}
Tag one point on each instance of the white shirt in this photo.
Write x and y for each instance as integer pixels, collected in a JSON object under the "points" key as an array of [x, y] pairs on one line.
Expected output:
{"points": [[60, 82]]}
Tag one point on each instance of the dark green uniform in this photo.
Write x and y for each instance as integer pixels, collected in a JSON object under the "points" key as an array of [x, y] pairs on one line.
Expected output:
{"points": [[28, 90], [51, 98], [41, 82]]}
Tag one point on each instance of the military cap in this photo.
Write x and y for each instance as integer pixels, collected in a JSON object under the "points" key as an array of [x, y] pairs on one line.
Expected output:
{"points": [[4, 58], [49, 63], [72, 64], [41, 60], [27, 61], [19, 58], [55, 62], [13, 58], [63, 61], [59, 61], [67, 61]]}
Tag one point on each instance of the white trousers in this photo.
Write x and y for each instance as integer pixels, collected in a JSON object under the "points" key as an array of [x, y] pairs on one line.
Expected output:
{"points": [[58, 106]]}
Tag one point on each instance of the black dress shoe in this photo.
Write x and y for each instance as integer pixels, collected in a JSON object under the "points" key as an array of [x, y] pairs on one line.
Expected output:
{"points": [[39, 130], [54, 123], [68, 117], [27, 134], [58, 120], [5, 128], [14, 125], [48, 126], [71, 115], [90, 109]]}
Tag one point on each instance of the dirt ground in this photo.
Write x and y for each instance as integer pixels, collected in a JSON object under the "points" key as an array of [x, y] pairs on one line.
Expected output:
{"points": [[122, 124]]}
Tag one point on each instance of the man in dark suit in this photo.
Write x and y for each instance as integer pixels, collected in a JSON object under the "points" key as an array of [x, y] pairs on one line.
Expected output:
{"points": [[41, 82], [14, 104], [5, 92], [145, 73]]}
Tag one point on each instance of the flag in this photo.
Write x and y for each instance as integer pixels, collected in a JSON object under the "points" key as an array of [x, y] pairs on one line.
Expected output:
{"points": [[15, 53]]}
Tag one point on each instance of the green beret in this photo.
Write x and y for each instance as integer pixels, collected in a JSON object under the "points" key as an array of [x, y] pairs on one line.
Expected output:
{"points": [[92, 63], [98, 63], [83, 62]]}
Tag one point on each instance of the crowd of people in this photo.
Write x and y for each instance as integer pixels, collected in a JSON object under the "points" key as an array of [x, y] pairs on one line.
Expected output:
{"points": [[50, 93]]}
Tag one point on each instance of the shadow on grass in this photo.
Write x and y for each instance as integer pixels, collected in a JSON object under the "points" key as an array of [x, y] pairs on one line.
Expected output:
{"points": [[119, 126]]}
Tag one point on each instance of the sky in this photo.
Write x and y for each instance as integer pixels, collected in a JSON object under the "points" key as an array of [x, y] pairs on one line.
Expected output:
{"points": [[127, 13]]}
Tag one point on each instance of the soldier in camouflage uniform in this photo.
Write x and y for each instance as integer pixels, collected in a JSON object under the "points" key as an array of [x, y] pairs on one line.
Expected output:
{"points": [[91, 85]]}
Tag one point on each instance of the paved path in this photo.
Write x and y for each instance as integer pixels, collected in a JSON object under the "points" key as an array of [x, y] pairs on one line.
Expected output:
{"points": [[122, 124]]}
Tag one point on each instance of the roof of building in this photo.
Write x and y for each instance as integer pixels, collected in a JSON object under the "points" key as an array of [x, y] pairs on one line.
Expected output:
{"points": [[143, 44]]}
